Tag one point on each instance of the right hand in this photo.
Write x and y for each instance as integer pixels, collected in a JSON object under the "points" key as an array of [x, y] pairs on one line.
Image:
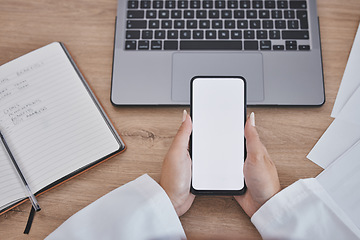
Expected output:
{"points": [[259, 171]]}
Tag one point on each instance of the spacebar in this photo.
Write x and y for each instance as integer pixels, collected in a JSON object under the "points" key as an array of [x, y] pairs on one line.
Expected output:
{"points": [[210, 45]]}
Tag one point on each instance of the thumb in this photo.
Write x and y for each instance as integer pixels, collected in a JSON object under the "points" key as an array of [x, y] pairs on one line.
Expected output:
{"points": [[252, 137], [183, 135]]}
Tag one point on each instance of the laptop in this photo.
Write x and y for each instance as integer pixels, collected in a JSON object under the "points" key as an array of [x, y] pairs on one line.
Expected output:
{"points": [[160, 45]]}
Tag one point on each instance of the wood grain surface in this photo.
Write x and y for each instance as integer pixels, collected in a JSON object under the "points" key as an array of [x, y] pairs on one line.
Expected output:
{"points": [[87, 29]]}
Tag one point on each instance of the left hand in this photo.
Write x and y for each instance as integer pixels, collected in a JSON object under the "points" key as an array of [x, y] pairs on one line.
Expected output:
{"points": [[176, 169]]}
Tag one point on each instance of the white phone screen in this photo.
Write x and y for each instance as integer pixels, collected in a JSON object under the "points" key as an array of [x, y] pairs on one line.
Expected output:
{"points": [[217, 145]]}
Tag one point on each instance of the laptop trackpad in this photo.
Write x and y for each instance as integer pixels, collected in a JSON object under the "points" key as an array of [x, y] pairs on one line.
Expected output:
{"points": [[188, 65]]}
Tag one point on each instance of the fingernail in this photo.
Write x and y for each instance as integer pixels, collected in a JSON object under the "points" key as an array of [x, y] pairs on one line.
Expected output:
{"points": [[184, 115], [252, 119]]}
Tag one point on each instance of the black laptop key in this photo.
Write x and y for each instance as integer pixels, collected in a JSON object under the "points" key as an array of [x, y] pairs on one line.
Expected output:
{"points": [[135, 14], [195, 4], [143, 45], [136, 24], [265, 45], [270, 4], [145, 4], [304, 47], [303, 18], [251, 45], [133, 4], [211, 45], [170, 4], [290, 34], [156, 45], [278, 47], [291, 45], [132, 34], [130, 45], [298, 4]]}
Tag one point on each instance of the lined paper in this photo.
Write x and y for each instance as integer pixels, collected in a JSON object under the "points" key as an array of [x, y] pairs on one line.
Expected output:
{"points": [[49, 118]]}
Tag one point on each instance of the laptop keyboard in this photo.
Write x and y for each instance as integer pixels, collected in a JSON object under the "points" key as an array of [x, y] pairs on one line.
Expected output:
{"points": [[172, 25]]}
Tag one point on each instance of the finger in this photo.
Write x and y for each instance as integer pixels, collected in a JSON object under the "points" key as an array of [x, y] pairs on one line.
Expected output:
{"points": [[252, 137], [182, 137]]}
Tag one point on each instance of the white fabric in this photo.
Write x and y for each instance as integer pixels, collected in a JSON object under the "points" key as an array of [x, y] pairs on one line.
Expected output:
{"points": [[142, 210], [137, 210], [304, 210]]}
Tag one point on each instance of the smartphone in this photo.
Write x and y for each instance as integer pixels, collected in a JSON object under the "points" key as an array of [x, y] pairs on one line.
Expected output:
{"points": [[217, 143]]}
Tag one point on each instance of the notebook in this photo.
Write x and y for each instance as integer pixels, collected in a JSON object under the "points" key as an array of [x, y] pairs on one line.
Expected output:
{"points": [[161, 44], [52, 122]]}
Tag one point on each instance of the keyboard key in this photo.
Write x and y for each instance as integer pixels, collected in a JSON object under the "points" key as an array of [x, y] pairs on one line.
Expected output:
{"points": [[245, 4], [255, 24], [276, 14], [282, 4], [189, 14], [211, 45], [160, 34], [251, 14], [191, 24], [208, 4], [249, 34], [224, 34], [158, 4], [170, 4], [156, 45], [201, 14], [229, 24], [151, 14], [132, 34], [290, 34], [198, 34], [133, 4], [147, 34], [268, 24], [185, 34], [265, 45], [164, 14], [257, 4], [264, 14], [291, 45], [293, 24], [170, 45], [204, 24], [280, 24], [270, 4], [236, 34], [242, 24], [274, 34], [278, 47], [298, 4], [220, 4], [217, 24], [226, 14], [135, 14], [154, 24], [176, 14], [173, 34], [195, 4], [145, 4], [214, 14], [210, 34], [166, 24], [261, 34], [130, 45], [251, 45], [179, 24], [302, 16], [143, 45], [304, 47], [136, 24], [239, 14], [183, 4], [233, 4], [289, 14]]}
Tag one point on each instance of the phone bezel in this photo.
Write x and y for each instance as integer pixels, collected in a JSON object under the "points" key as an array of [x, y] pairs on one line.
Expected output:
{"points": [[216, 192]]}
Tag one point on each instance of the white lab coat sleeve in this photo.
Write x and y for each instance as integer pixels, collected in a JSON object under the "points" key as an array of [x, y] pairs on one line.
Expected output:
{"points": [[137, 210], [304, 210]]}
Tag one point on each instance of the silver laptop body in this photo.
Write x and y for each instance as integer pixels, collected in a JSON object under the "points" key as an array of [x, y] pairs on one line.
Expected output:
{"points": [[160, 45]]}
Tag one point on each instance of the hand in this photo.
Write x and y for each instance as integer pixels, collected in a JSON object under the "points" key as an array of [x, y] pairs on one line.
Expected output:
{"points": [[259, 170], [176, 169]]}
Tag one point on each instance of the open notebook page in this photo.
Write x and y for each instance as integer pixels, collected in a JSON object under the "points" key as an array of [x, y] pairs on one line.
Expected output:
{"points": [[49, 119]]}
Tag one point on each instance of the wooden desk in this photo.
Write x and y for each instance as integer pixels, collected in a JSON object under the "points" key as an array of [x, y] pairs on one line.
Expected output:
{"points": [[87, 29]]}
